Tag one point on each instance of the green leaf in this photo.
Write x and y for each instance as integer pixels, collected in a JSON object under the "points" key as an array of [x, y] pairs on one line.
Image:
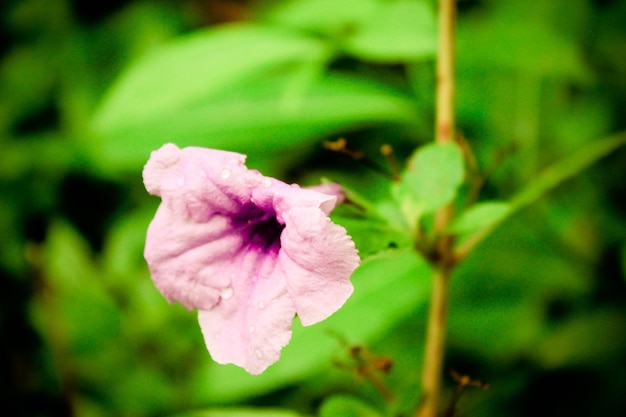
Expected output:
{"points": [[122, 255], [344, 406], [501, 293], [374, 236], [387, 288], [374, 30], [479, 216], [567, 168], [258, 118], [199, 65], [431, 180], [601, 329], [324, 17], [49, 153], [240, 412], [522, 39], [398, 30], [78, 301], [553, 176]]}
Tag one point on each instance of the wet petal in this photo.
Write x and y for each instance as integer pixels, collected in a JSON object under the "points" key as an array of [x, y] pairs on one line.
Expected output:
{"points": [[317, 257], [251, 327], [247, 251], [188, 260]]}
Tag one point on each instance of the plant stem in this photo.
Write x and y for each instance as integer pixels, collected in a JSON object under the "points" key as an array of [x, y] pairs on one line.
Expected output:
{"points": [[445, 73], [444, 133], [435, 343]]}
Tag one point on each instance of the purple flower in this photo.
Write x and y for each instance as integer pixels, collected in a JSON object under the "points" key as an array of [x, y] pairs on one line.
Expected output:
{"points": [[248, 251]]}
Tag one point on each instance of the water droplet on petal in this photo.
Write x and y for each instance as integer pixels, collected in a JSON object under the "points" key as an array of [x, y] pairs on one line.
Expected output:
{"points": [[225, 174], [258, 353], [226, 293], [252, 200], [251, 329]]}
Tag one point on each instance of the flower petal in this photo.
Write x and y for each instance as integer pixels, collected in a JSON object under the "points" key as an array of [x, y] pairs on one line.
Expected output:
{"points": [[317, 257], [331, 188], [250, 328], [190, 241], [246, 250], [187, 260]]}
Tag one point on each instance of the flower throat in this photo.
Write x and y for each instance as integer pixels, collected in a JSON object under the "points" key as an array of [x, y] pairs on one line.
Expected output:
{"points": [[260, 230]]}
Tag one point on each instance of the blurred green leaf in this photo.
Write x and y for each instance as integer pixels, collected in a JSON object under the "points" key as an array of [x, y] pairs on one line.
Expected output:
{"points": [[523, 39], [386, 289], [48, 153], [196, 66], [76, 298], [396, 31], [344, 406], [372, 237], [496, 330], [26, 82], [123, 249], [602, 332], [567, 168], [325, 17], [258, 117], [240, 412], [553, 176], [504, 289], [430, 181], [372, 30], [479, 216]]}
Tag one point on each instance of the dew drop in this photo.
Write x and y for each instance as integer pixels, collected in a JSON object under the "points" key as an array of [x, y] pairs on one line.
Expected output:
{"points": [[225, 174], [258, 353], [251, 329], [226, 293]]}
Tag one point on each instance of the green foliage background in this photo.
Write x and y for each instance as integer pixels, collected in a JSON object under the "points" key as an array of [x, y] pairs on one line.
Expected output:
{"points": [[88, 90]]}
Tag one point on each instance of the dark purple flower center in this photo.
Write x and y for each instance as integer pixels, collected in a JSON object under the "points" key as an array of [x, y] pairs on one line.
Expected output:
{"points": [[259, 228]]}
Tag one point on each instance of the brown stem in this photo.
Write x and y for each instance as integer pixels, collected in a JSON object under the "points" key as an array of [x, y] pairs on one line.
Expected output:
{"points": [[445, 73], [445, 133], [435, 342]]}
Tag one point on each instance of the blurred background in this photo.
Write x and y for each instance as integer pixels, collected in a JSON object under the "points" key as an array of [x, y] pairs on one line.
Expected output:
{"points": [[88, 89]]}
